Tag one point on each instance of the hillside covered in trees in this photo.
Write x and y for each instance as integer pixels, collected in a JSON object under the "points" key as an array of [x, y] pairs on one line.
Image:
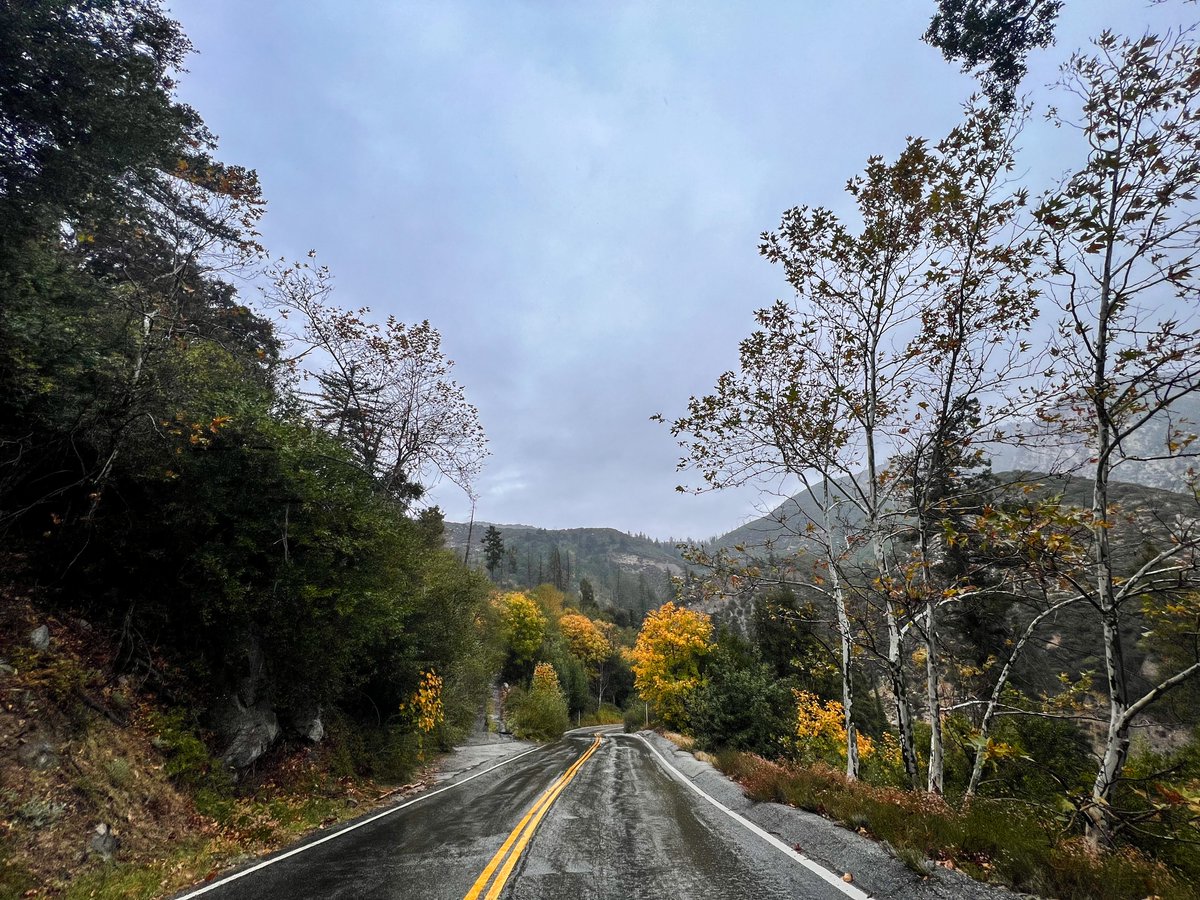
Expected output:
{"points": [[630, 573]]}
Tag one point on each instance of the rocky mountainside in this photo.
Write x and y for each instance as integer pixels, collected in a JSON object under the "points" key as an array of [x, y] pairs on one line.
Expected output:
{"points": [[781, 530]]}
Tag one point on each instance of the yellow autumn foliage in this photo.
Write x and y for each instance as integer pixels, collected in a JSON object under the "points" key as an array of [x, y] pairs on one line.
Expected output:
{"points": [[585, 639], [667, 657], [425, 706], [545, 680], [522, 624], [820, 732]]}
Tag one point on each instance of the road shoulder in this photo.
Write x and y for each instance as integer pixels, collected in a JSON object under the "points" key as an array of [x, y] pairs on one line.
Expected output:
{"points": [[839, 849]]}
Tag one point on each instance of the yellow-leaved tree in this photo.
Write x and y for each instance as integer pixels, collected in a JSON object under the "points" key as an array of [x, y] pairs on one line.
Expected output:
{"points": [[821, 731], [591, 643], [522, 625], [540, 713], [586, 640], [667, 658]]}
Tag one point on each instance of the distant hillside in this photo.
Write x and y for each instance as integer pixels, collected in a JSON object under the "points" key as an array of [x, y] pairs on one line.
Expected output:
{"points": [[782, 528], [626, 571], [1152, 464], [1071, 642]]}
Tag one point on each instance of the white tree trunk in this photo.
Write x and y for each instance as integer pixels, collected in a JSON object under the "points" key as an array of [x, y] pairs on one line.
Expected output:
{"points": [[936, 781]]}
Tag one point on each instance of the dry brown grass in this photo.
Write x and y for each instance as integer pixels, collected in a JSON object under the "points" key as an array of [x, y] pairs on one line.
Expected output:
{"points": [[114, 773], [989, 839], [682, 741]]}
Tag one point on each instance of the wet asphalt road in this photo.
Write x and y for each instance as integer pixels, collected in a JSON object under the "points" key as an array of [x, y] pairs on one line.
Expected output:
{"points": [[620, 827]]}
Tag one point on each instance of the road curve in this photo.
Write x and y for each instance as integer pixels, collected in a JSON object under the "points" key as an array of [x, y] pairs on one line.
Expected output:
{"points": [[592, 816]]}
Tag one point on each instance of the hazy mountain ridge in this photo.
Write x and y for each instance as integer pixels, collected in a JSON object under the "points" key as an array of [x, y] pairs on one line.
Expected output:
{"points": [[626, 571], [782, 528]]}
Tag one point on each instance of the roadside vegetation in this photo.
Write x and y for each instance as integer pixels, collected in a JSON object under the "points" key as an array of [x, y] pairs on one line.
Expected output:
{"points": [[228, 616], [562, 666], [992, 669]]}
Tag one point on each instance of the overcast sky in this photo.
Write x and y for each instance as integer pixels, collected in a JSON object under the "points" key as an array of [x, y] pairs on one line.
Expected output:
{"points": [[572, 194]]}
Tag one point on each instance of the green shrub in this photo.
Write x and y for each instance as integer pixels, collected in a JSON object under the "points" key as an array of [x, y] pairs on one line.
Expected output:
{"points": [[637, 716], [537, 715], [741, 706], [119, 772], [189, 763], [605, 714], [39, 812]]}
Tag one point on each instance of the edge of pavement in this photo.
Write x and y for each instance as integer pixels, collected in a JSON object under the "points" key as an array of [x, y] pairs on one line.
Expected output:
{"points": [[455, 767], [873, 868]]}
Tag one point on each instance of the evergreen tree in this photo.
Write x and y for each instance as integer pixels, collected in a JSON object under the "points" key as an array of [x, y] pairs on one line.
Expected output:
{"points": [[493, 549]]}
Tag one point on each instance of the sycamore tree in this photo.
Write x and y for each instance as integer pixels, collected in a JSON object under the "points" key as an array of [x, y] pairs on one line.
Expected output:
{"points": [[860, 387], [1124, 229], [992, 38], [982, 292], [386, 391]]}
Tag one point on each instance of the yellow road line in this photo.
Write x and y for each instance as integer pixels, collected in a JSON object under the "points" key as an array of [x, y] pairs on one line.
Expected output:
{"points": [[524, 831]]}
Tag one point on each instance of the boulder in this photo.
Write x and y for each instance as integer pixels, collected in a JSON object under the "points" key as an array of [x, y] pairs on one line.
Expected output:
{"points": [[250, 731], [40, 638], [305, 722], [104, 842]]}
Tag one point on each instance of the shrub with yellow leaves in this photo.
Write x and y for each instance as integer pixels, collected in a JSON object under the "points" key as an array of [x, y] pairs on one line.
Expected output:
{"points": [[821, 731], [425, 708]]}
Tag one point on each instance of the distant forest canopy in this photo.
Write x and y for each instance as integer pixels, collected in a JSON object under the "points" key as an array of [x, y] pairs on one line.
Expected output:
{"points": [[632, 574]]}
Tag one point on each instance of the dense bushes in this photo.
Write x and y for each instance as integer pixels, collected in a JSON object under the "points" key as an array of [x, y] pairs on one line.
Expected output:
{"points": [[160, 467], [741, 706], [539, 713]]}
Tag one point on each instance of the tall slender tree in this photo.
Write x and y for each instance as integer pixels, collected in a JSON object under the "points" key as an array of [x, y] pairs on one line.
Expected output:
{"points": [[1124, 230]]}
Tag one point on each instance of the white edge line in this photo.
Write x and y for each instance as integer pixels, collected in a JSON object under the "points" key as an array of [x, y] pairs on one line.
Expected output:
{"points": [[817, 869], [329, 837]]}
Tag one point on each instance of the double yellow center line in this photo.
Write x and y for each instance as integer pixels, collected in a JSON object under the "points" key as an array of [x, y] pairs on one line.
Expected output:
{"points": [[512, 848]]}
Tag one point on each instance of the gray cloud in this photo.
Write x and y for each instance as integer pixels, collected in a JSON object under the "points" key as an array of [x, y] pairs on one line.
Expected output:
{"points": [[572, 194]]}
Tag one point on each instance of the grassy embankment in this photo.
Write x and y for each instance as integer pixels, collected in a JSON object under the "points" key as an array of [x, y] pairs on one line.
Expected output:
{"points": [[113, 754], [990, 840]]}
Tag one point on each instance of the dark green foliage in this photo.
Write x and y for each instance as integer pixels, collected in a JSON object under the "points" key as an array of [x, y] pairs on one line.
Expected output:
{"points": [[85, 97], [1052, 759], [190, 763], [155, 463], [993, 37], [493, 549], [571, 675], [742, 705], [787, 638], [1157, 799]]}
